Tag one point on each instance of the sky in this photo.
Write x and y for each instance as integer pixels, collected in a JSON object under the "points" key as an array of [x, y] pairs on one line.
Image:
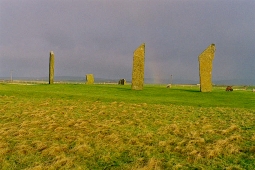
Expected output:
{"points": [[99, 37]]}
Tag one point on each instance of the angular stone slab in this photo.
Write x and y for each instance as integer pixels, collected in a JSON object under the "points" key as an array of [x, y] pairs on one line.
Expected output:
{"points": [[89, 79], [138, 68], [205, 68], [51, 68]]}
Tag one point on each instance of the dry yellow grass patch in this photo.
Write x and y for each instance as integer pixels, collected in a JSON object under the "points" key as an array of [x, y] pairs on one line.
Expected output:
{"points": [[52, 134]]}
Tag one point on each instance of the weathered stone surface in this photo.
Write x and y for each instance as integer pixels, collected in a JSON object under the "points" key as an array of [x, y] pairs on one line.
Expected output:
{"points": [[51, 68], [89, 79], [205, 68], [122, 82], [138, 68]]}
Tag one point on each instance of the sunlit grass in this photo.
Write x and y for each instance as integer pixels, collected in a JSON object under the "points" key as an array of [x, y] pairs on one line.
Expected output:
{"points": [[72, 130]]}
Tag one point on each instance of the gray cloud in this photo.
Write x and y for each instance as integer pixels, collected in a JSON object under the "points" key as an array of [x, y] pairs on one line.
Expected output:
{"points": [[99, 37]]}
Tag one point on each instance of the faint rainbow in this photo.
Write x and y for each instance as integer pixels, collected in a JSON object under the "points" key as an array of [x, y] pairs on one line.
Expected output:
{"points": [[155, 72]]}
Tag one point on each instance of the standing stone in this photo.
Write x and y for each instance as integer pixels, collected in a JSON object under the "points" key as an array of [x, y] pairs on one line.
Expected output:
{"points": [[89, 79], [51, 68], [205, 68], [122, 82], [138, 68]]}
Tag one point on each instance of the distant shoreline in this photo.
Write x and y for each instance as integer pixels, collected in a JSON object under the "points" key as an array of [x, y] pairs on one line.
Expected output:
{"points": [[108, 81]]}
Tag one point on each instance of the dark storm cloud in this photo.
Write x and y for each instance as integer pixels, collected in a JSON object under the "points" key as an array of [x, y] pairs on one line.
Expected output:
{"points": [[99, 37]]}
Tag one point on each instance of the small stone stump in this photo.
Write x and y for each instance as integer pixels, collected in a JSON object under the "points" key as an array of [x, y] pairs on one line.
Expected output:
{"points": [[89, 79], [122, 82]]}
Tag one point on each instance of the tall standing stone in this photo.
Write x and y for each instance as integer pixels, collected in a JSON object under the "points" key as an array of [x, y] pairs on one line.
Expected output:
{"points": [[138, 68], [89, 79], [51, 68], [205, 68]]}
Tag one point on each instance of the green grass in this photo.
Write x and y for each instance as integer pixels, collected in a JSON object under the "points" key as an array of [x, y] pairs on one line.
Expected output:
{"points": [[68, 126], [185, 96]]}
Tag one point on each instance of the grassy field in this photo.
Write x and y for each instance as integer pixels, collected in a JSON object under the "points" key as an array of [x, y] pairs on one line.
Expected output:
{"points": [[68, 126]]}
